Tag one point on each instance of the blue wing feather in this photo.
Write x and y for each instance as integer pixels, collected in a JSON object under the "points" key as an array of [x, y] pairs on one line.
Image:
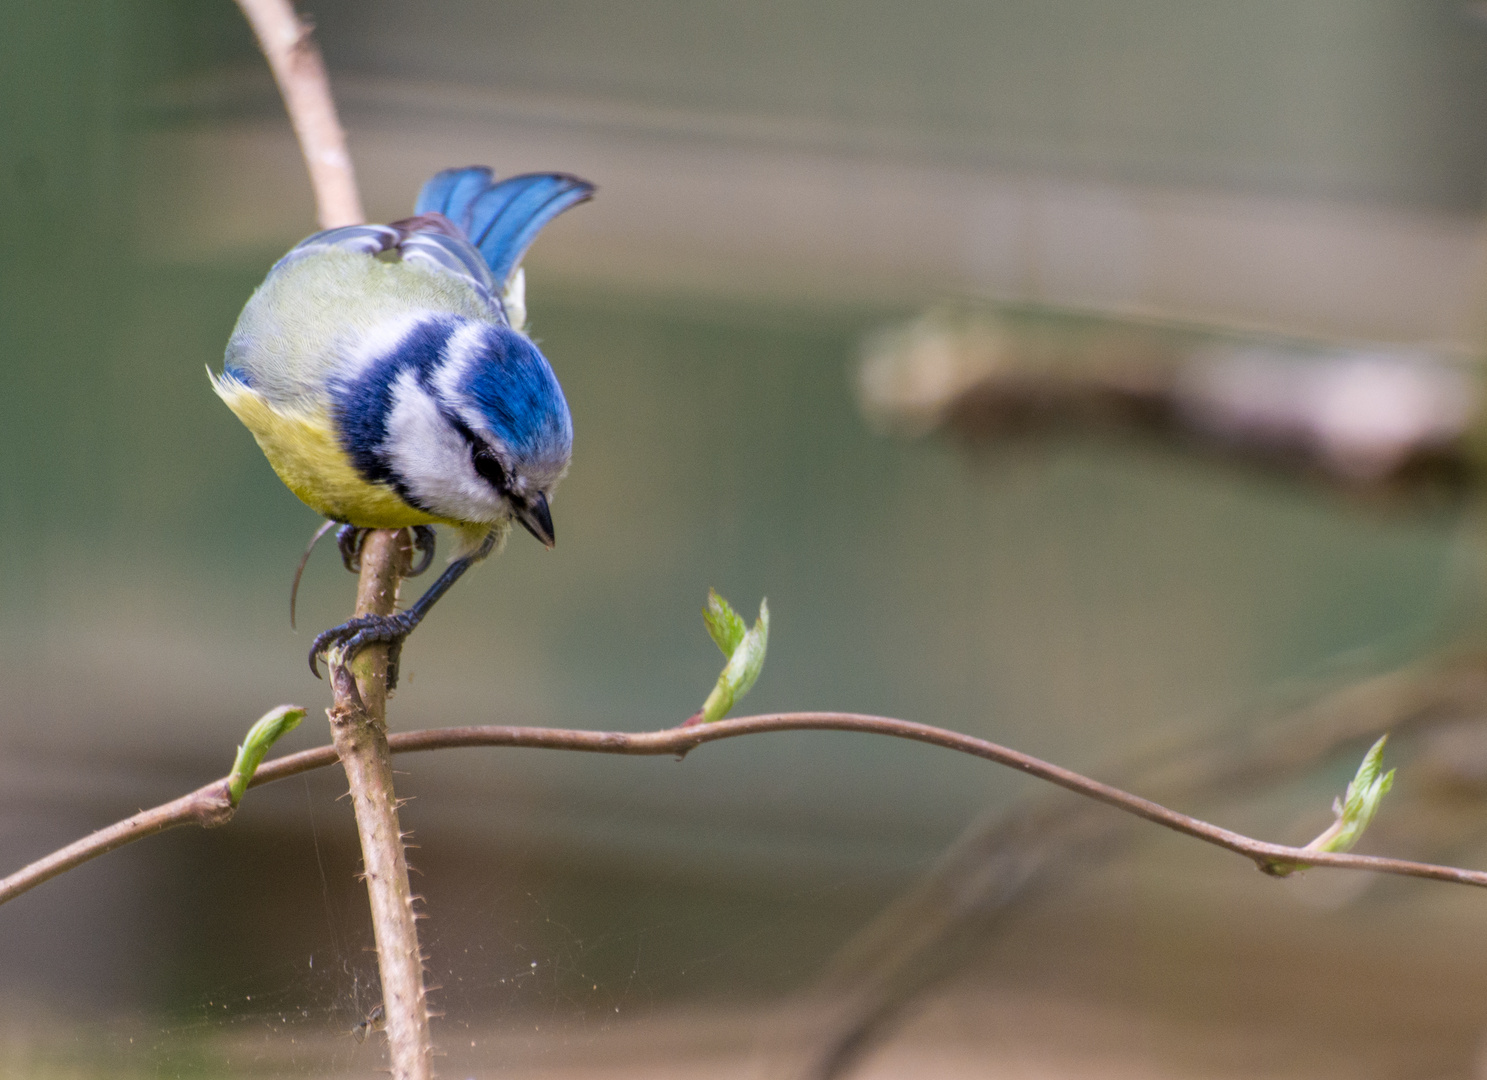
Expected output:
{"points": [[451, 256], [367, 239], [427, 247], [501, 218]]}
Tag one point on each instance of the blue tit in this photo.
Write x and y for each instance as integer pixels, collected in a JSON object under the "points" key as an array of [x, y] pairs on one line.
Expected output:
{"points": [[384, 371]]}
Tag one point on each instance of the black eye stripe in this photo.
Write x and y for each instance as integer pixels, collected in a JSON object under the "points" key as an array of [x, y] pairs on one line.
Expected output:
{"points": [[482, 457], [490, 467]]}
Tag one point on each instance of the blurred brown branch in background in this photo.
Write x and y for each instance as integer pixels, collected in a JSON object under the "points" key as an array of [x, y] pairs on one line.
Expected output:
{"points": [[1373, 419]]}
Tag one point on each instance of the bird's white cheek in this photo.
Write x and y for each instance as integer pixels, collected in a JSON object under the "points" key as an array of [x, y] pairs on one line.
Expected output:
{"points": [[433, 460]]}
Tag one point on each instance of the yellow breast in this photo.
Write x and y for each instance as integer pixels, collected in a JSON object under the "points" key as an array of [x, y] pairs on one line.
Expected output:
{"points": [[303, 448]]}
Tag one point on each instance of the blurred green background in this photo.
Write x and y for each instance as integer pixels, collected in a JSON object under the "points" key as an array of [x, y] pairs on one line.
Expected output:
{"points": [[776, 181]]}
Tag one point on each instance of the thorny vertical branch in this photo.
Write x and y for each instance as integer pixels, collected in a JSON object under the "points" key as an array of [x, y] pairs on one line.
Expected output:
{"points": [[359, 716], [358, 722]]}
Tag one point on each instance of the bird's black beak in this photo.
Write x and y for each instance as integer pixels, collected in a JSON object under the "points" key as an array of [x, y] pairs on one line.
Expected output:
{"points": [[536, 518]]}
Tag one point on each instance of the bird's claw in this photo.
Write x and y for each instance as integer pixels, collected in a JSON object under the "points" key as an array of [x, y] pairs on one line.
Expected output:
{"points": [[423, 541], [350, 539], [354, 635]]}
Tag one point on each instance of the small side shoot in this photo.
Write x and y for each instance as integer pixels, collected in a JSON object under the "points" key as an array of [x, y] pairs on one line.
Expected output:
{"points": [[1355, 810], [742, 646]]}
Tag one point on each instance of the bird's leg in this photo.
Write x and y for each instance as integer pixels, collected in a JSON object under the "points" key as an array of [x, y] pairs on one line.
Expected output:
{"points": [[423, 540], [356, 634], [350, 538]]}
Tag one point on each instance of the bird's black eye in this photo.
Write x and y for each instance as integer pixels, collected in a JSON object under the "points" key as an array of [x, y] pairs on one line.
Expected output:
{"points": [[490, 467]]}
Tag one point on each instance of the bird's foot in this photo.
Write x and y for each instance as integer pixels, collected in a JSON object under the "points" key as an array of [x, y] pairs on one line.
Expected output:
{"points": [[351, 539], [354, 635]]}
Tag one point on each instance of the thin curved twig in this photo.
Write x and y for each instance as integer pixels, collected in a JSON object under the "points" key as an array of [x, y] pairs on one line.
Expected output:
{"points": [[201, 807], [207, 806]]}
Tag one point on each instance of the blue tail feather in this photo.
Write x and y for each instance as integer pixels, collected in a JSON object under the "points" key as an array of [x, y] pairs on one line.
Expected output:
{"points": [[506, 218], [452, 191], [501, 218]]}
